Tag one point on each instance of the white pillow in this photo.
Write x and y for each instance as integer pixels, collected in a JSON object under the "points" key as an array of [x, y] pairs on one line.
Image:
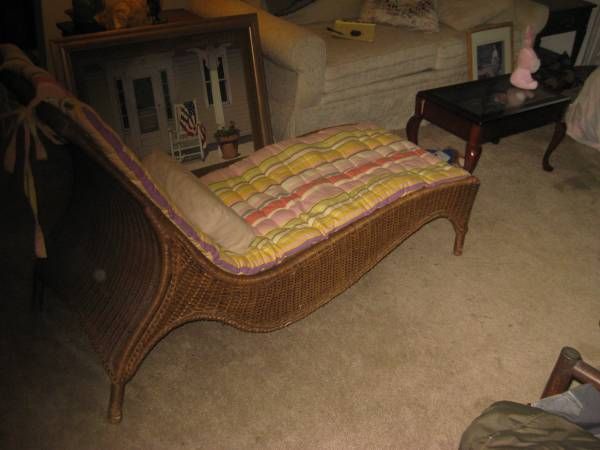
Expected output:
{"points": [[415, 14], [465, 14], [199, 205]]}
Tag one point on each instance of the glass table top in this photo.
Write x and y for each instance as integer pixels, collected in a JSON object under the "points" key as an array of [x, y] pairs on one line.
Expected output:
{"points": [[490, 99]]}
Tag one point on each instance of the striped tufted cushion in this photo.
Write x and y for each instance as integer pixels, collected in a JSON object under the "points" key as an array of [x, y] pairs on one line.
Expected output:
{"points": [[299, 191]]}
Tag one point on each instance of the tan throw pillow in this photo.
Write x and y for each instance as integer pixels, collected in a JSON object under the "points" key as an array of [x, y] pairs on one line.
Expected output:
{"points": [[417, 14], [465, 14], [199, 205]]}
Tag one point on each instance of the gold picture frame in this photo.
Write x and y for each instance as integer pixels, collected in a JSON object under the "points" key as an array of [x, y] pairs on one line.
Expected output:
{"points": [[240, 33], [490, 50]]}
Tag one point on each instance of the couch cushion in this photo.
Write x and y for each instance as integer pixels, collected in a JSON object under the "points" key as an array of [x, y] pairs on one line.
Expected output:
{"points": [[389, 105], [417, 14], [352, 64], [198, 204], [404, 86], [464, 14]]}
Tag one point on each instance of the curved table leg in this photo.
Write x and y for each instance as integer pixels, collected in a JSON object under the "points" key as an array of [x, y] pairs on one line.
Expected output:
{"points": [[559, 133], [473, 149], [412, 126]]}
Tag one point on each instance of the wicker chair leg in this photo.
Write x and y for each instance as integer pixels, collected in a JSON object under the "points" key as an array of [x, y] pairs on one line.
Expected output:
{"points": [[459, 239], [37, 294], [115, 404]]}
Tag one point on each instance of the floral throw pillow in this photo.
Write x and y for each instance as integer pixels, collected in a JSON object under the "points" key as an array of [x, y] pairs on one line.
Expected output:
{"points": [[417, 14]]}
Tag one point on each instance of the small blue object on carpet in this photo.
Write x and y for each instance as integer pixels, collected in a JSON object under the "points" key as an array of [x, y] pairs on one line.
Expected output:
{"points": [[448, 154]]}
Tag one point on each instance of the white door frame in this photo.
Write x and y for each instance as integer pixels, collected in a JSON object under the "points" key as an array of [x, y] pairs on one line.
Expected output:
{"points": [[137, 68]]}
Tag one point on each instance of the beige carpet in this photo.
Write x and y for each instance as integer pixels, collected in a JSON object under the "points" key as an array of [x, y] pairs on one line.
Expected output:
{"points": [[405, 359]]}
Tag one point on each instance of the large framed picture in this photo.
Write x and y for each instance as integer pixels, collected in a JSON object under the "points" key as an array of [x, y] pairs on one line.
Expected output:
{"points": [[156, 83], [490, 51]]}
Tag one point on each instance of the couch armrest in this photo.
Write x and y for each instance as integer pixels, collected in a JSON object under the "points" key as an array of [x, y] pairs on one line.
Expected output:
{"points": [[528, 12], [283, 42]]}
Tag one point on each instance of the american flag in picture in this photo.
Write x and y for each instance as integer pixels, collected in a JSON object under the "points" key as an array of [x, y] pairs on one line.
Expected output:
{"points": [[188, 122]]}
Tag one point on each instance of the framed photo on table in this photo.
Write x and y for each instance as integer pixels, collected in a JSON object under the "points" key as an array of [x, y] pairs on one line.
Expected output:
{"points": [[135, 77], [489, 50]]}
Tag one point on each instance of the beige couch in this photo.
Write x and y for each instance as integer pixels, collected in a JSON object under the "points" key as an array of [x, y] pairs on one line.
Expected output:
{"points": [[315, 80]]}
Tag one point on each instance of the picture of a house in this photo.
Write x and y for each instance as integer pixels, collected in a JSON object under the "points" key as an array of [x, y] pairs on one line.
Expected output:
{"points": [[136, 95]]}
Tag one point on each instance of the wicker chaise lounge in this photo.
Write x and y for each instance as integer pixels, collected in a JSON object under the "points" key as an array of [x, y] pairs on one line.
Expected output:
{"points": [[133, 273]]}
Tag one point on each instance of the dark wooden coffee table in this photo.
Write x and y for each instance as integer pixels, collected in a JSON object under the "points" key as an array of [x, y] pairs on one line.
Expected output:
{"points": [[487, 110]]}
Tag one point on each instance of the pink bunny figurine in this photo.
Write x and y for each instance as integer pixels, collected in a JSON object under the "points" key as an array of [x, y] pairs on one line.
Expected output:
{"points": [[527, 63]]}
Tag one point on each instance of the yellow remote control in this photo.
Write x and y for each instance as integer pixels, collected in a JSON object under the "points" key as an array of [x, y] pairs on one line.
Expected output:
{"points": [[360, 31]]}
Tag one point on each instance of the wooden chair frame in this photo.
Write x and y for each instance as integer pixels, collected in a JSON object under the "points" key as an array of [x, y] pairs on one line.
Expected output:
{"points": [[570, 366]]}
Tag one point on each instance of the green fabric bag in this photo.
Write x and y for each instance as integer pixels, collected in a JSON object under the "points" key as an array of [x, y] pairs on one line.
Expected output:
{"points": [[509, 425]]}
